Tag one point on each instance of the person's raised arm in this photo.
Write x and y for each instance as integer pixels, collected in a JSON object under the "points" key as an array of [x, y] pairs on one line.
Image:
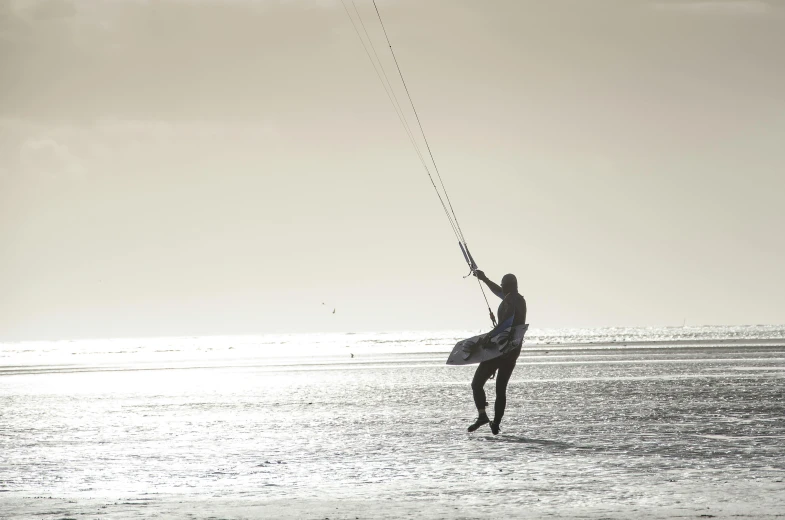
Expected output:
{"points": [[495, 289]]}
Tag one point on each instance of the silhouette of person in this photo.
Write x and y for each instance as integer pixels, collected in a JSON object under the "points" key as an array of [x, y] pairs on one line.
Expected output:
{"points": [[513, 304]]}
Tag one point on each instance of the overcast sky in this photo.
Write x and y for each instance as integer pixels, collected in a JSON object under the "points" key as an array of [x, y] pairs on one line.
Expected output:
{"points": [[225, 167]]}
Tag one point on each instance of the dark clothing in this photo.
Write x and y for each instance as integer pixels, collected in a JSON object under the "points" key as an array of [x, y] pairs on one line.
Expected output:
{"points": [[505, 365], [512, 303]]}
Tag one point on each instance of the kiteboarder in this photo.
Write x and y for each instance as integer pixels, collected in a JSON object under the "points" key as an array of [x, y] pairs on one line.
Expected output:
{"points": [[513, 304], [512, 311]]}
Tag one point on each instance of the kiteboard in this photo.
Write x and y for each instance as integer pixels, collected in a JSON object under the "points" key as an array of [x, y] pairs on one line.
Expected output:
{"points": [[487, 346]]}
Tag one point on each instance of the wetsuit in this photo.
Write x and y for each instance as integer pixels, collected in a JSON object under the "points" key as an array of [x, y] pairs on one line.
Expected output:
{"points": [[505, 363]]}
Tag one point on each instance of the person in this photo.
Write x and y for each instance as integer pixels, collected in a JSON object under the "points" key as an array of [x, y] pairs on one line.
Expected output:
{"points": [[513, 304]]}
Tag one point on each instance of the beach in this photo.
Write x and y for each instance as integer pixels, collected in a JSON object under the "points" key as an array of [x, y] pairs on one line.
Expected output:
{"points": [[620, 424]]}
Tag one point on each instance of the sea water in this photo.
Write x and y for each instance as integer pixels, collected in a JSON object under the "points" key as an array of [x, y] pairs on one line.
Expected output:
{"points": [[676, 421]]}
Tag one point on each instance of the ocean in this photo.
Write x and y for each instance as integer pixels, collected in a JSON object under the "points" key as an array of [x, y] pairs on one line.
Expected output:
{"points": [[604, 423]]}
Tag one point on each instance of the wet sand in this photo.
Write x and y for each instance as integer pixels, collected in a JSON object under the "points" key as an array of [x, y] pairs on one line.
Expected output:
{"points": [[691, 431]]}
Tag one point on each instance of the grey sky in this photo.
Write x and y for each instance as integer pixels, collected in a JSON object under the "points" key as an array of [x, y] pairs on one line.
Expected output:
{"points": [[184, 167]]}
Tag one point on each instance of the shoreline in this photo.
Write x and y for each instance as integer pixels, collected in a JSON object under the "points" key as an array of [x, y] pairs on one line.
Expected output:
{"points": [[371, 359]]}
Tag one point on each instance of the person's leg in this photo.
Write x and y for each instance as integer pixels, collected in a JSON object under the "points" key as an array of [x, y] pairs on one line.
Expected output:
{"points": [[484, 371], [502, 378]]}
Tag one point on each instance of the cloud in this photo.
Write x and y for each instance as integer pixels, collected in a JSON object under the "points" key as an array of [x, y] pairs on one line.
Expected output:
{"points": [[52, 10], [163, 130], [33, 152], [197, 60], [46, 158], [716, 7]]}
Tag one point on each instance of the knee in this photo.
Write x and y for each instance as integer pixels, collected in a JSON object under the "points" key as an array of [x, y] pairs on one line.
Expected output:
{"points": [[477, 385]]}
